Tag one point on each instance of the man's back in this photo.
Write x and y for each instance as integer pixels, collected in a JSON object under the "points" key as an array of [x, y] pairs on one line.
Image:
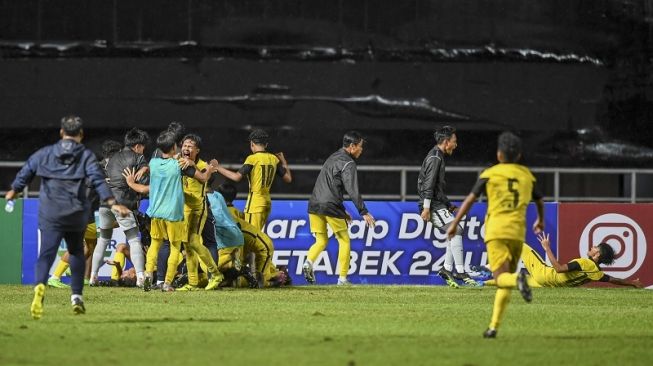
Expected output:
{"points": [[509, 189], [228, 232], [337, 178], [126, 158], [260, 169], [166, 193], [64, 168]]}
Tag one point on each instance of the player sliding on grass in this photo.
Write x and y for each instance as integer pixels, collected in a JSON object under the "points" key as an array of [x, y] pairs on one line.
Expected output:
{"points": [[576, 272], [257, 243], [509, 188]]}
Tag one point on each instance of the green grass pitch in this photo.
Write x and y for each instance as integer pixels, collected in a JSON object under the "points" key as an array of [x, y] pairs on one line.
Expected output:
{"points": [[328, 325]]}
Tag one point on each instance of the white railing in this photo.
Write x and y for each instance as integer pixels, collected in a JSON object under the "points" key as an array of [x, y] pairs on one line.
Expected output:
{"points": [[630, 177]]}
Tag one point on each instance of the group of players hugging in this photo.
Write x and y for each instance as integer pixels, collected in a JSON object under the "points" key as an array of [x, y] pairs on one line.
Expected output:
{"points": [[191, 237]]}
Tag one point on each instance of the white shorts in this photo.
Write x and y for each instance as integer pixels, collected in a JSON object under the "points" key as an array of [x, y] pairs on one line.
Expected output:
{"points": [[441, 217], [108, 218]]}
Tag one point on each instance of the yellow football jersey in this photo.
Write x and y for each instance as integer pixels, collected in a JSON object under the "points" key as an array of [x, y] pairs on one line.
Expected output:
{"points": [[509, 189], [236, 213], [194, 190], [589, 271], [260, 169]]}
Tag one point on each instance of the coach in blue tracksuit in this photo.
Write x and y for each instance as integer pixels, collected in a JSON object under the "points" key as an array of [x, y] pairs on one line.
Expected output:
{"points": [[64, 168]]}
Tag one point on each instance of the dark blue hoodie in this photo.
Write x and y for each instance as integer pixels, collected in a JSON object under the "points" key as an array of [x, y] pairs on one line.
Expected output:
{"points": [[64, 169]]}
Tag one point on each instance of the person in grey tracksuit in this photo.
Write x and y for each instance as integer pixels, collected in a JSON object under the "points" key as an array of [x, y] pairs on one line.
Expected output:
{"points": [[435, 207], [337, 177]]}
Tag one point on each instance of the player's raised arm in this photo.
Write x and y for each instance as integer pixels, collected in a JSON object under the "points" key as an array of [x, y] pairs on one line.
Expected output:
{"points": [[283, 169], [546, 244], [537, 196]]}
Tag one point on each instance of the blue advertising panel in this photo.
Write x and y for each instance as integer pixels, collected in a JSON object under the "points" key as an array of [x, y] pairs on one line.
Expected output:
{"points": [[30, 239], [400, 249]]}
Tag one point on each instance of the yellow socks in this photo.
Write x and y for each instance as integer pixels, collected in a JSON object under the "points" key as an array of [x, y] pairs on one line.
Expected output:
{"points": [[118, 258], [501, 300], [61, 268], [507, 280]]}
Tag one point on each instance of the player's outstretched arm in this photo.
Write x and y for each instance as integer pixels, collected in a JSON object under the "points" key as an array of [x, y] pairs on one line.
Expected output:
{"points": [[130, 178], [204, 175], [634, 283], [462, 211], [234, 176]]}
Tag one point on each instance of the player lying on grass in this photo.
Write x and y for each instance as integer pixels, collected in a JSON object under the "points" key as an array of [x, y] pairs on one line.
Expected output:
{"points": [[576, 272], [229, 242], [257, 243]]}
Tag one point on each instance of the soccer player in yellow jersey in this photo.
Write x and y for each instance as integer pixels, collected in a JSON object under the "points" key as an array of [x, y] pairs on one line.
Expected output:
{"points": [[195, 213], [260, 169], [576, 272], [256, 241], [509, 188]]}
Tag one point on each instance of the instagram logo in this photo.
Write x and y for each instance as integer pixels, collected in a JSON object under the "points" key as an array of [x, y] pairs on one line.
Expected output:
{"points": [[624, 235]]}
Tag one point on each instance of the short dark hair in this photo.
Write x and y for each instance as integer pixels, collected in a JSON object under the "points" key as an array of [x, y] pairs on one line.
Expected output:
{"points": [[259, 137], [110, 147], [510, 145], [607, 253], [166, 141], [178, 129], [71, 125], [351, 137], [444, 133], [193, 137], [228, 191], [136, 136]]}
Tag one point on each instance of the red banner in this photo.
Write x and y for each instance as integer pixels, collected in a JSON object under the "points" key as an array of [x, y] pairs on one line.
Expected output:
{"points": [[628, 228]]}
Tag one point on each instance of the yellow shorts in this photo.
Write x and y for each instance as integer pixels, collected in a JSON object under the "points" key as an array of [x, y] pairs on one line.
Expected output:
{"points": [[319, 223], [195, 220], [258, 219], [91, 232], [227, 257], [500, 251], [534, 264], [174, 231]]}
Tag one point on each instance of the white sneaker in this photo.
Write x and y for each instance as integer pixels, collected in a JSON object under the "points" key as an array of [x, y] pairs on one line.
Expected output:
{"points": [[93, 281], [344, 282], [309, 275]]}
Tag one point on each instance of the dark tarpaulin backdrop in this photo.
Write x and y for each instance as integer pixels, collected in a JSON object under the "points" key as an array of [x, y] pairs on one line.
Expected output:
{"points": [[571, 77]]}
